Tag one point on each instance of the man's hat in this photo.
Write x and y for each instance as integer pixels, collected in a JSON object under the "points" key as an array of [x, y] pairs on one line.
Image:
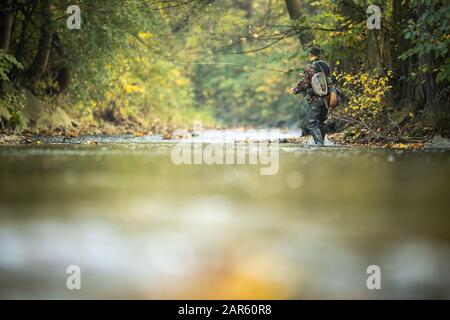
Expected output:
{"points": [[315, 51]]}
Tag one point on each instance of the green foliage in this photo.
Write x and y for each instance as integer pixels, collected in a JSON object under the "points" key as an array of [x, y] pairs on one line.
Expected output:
{"points": [[7, 62], [444, 71], [430, 34], [14, 104]]}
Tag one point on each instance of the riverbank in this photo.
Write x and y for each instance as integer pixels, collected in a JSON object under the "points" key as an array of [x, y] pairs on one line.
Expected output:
{"points": [[96, 135], [33, 118], [57, 124]]}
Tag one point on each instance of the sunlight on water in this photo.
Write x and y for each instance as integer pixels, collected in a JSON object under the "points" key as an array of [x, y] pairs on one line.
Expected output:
{"points": [[140, 226]]}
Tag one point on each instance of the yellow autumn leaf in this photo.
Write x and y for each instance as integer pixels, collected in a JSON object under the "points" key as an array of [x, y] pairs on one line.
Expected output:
{"points": [[144, 35], [133, 89], [181, 82]]}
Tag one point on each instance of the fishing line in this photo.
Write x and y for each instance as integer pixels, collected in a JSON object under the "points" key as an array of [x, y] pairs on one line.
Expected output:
{"points": [[296, 120]]}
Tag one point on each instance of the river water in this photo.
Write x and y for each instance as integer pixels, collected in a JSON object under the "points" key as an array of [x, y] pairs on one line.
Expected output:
{"points": [[139, 226]]}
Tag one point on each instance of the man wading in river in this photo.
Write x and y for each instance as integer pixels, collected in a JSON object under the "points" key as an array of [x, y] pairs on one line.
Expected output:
{"points": [[314, 83]]}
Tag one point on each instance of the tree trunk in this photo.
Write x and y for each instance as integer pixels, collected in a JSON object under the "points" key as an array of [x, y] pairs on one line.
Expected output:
{"points": [[40, 61], [426, 65], [295, 13], [28, 10], [427, 77], [398, 45], [374, 59], [6, 21]]}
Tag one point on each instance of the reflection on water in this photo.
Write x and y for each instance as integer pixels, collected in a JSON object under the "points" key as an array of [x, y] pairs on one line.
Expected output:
{"points": [[142, 227]]}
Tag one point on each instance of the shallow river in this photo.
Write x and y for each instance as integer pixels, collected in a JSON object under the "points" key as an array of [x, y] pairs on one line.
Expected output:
{"points": [[139, 226]]}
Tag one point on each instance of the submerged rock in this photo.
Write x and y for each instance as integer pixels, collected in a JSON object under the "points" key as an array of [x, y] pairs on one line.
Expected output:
{"points": [[440, 142]]}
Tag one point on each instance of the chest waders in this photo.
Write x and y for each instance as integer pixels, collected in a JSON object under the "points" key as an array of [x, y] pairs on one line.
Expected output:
{"points": [[317, 111], [315, 117]]}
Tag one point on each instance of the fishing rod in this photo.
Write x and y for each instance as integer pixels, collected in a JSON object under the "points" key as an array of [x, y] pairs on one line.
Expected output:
{"points": [[233, 64]]}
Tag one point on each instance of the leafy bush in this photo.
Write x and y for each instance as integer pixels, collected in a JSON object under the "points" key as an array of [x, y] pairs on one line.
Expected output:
{"points": [[14, 104], [429, 34], [365, 92], [7, 62]]}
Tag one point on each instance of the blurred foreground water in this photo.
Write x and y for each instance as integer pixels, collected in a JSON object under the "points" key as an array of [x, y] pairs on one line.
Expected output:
{"points": [[140, 226]]}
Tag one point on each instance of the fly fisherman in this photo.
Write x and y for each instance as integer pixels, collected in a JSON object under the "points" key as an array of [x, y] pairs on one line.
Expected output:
{"points": [[314, 82]]}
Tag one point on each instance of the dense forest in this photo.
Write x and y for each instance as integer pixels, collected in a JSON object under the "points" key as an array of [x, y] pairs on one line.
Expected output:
{"points": [[151, 65]]}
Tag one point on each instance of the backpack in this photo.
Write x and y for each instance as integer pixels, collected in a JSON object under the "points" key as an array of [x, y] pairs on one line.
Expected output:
{"points": [[321, 78], [320, 82]]}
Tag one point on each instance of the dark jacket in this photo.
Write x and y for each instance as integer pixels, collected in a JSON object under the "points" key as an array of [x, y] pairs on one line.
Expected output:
{"points": [[304, 85]]}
